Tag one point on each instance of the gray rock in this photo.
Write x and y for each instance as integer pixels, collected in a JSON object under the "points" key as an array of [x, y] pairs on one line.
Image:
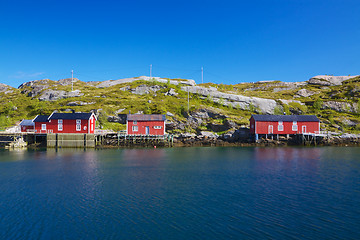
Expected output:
{"points": [[340, 106], [5, 88], [349, 135], [120, 118], [187, 135], [207, 134], [52, 95], [34, 88], [110, 83], [291, 101], [348, 122], [144, 89], [120, 110], [67, 81], [237, 101], [305, 93], [170, 114], [194, 122], [171, 92], [79, 103], [325, 80]]}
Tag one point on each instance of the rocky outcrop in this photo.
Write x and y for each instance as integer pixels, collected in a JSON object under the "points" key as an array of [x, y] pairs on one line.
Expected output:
{"points": [[110, 83], [67, 81], [261, 105], [171, 92], [34, 88], [304, 93], [52, 95], [6, 88], [341, 106], [144, 89], [325, 80], [79, 103]]}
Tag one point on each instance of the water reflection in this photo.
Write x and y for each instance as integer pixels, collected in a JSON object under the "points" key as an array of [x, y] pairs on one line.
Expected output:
{"points": [[191, 193]]}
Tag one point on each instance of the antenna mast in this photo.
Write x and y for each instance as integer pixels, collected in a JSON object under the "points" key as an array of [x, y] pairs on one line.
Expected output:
{"points": [[72, 78], [202, 75], [150, 69]]}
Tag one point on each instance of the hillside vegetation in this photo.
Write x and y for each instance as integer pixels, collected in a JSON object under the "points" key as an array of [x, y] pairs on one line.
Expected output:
{"points": [[212, 107]]}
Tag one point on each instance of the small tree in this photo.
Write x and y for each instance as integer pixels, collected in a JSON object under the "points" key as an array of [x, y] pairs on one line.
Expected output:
{"points": [[318, 104]]}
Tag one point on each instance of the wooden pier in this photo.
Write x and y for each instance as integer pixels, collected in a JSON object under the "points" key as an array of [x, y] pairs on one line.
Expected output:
{"points": [[123, 140], [308, 139], [13, 140]]}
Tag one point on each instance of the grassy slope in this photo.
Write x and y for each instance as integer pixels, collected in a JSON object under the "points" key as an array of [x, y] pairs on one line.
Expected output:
{"points": [[17, 106]]}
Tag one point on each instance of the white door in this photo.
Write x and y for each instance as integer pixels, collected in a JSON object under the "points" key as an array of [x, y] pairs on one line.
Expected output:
{"points": [[303, 129], [147, 130], [271, 129]]}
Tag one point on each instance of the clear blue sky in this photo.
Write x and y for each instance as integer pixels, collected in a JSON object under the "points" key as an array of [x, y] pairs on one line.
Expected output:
{"points": [[235, 41]]}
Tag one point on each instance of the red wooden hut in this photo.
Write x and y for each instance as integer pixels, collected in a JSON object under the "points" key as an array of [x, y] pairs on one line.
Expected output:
{"points": [[27, 126], [145, 124], [283, 124], [65, 123]]}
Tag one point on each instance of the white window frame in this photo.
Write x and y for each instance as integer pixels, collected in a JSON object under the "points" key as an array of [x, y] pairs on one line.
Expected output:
{"points": [[78, 124], [294, 127], [280, 127], [135, 122], [157, 127], [135, 128], [60, 124], [43, 127]]}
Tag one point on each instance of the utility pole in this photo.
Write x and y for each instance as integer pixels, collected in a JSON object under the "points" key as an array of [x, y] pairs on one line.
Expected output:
{"points": [[202, 75], [150, 70], [72, 80], [188, 100]]}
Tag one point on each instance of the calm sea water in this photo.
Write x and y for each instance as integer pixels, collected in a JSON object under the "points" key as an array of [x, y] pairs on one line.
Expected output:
{"points": [[181, 193]]}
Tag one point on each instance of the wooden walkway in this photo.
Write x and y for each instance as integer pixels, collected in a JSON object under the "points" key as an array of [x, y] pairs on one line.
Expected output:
{"points": [[122, 139]]}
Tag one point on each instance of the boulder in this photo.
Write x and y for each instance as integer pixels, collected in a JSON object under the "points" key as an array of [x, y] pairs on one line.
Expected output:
{"points": [[120, 118], [304, 93], [206, 134], [171, 92]]}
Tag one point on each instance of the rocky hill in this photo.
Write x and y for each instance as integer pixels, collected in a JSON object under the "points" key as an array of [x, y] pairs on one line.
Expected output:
{"points": [[213, 108]]}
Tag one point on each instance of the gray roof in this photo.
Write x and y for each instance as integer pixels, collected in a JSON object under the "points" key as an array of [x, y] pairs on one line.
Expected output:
{"points": [[146, 117], [70, 116], [286, 118], [41, 118], [26, 122]]}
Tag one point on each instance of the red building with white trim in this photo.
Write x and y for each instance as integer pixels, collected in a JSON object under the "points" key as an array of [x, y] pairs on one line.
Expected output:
{"points": [[27, 126], [145, 124], [65, 123], [283, 124]]}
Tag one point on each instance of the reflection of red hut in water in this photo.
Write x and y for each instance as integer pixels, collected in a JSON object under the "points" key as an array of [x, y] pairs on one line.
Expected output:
{"points": [[283, 124]]}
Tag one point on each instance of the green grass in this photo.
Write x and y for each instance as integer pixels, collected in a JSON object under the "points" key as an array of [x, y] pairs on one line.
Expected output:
{"points": [[16, 106]]}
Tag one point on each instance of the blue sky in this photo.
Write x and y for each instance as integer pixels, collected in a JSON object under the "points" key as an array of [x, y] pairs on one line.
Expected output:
{"points": [[235, 41]]}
